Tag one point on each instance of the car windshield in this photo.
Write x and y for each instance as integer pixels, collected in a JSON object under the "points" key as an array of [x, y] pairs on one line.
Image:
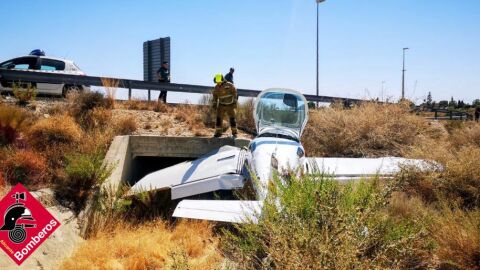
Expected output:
{"points": [[279, 110], [6, 64]]}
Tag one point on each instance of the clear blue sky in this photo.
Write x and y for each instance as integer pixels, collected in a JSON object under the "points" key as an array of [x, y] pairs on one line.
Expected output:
{"points": [[271, 43]]}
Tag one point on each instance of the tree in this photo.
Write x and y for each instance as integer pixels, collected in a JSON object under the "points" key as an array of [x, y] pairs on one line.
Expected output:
{"points": [[476, 103], [443, 104], [452, 103], [429, 100]]}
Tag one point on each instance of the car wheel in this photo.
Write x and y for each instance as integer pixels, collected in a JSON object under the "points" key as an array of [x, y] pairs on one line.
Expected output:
{"points": [[71, 88]]}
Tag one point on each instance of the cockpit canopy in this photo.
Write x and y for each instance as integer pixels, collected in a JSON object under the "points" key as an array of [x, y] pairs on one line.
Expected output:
{"points": [[281, 112]]}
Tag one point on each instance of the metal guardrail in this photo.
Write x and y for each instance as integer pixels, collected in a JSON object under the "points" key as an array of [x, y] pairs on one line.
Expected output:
{"points": [[54, 78], [451, 115]]}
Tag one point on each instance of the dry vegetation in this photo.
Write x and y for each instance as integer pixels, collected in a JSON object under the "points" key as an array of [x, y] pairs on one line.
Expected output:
{"points": [[368, 130], [153, 245], [419, 220]]}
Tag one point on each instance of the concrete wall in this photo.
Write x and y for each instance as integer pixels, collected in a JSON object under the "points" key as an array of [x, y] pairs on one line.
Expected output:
{"points": [[125, 148]]}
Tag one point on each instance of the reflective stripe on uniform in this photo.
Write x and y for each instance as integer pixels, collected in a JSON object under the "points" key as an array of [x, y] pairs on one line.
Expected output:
{"points": [[226, 100]]}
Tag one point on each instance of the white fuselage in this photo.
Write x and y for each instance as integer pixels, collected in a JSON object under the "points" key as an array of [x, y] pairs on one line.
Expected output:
{"points": [[269, 154]]}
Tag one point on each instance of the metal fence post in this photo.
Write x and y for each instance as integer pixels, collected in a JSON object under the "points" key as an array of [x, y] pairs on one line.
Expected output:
{"points": [[149, 95], [129, 91]]}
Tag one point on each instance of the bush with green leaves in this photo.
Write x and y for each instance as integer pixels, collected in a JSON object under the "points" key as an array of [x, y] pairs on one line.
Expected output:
{"points": [[313, 222], [24, 93], [83, 173]]}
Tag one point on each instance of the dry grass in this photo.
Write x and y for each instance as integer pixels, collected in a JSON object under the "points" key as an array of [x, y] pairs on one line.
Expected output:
{"points": [[161, 107], [367, 130], [95, 141], [125, 125], [457, 236], [57, 109], [459, 154], [245, 119], [89, 109], [189, 245], [3, 184], [111, 86], [13, 121], [137, 104], [59, 130], [98, 118], [24, 166], [468, 134], [191, 115]]}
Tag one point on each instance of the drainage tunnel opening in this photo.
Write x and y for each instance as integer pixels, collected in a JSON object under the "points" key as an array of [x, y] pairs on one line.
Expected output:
{"points": [[142, 166]]}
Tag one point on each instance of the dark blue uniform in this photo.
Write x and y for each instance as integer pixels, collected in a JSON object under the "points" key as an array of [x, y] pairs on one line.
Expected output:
{"points": [[164, 77]]}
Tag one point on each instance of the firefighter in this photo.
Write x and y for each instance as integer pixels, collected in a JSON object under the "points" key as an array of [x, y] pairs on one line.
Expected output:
{"points": [[224, 103]]}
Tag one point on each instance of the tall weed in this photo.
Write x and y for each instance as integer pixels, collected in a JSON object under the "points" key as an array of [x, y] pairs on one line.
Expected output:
{"points": [[313, 222]]}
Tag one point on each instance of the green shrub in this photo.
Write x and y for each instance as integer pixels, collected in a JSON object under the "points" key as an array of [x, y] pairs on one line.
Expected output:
{"points": [[316, 223], [24, 93], [83, 173]]}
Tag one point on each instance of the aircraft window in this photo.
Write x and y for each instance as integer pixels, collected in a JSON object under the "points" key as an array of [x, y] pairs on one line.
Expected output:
{"points": [[281, 109]]}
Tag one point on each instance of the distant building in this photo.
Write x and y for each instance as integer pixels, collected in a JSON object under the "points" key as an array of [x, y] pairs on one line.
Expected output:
{"points": [[155, 52]]}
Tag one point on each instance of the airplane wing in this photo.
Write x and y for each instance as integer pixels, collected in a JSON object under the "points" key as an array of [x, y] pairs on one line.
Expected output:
{"points": [[219, 210], [355, 168], [220, 169]]}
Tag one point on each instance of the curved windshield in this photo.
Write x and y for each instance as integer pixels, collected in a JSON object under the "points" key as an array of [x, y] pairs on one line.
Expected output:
{"points": [[280, 111]]}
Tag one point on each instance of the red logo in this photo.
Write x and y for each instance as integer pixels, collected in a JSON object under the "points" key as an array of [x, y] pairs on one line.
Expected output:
{"points": [[24, 225]]}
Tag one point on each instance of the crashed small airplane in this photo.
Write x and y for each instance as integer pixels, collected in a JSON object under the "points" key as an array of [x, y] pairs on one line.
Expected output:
{"points": [[280, 118]]}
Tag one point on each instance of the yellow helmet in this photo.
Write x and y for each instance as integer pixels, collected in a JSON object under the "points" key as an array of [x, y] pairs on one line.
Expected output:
{"points": [[218, 78]]}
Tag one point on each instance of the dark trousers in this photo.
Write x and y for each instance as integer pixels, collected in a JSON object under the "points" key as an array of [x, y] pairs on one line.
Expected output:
{"points": [[230, 112], [163, 96]]}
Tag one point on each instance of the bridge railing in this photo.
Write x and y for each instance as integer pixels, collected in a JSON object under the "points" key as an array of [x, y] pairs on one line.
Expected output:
{"points": [[445, 114], [55, 78]]}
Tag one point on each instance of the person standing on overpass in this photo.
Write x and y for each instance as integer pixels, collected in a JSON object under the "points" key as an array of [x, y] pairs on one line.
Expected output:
{"points": [[229, 75], [163, 74]]}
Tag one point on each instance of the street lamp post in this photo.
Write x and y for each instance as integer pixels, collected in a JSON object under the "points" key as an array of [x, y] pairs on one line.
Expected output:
{"points": [[318, 3], [403, 74]]}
